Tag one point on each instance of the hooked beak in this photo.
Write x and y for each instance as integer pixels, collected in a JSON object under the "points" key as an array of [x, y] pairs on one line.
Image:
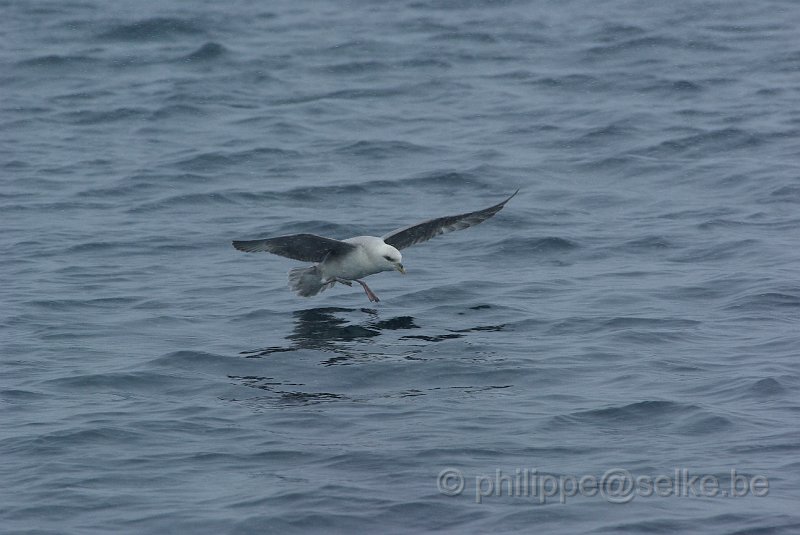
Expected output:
{"points": [[399, 267]]}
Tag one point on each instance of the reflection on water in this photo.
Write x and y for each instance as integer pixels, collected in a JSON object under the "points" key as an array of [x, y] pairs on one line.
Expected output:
{"points": [[347, 336], [278, 393], [322, 329], [454, 333], [326, 329], [282, 393]]}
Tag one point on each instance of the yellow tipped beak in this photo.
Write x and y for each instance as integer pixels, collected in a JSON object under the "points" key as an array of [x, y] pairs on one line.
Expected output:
{"points": [[399, 267]]}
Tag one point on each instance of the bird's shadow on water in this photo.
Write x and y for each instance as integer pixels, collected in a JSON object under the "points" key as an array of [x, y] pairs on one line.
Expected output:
{"points": [[326, 329], [349, 335], [329, 330]]}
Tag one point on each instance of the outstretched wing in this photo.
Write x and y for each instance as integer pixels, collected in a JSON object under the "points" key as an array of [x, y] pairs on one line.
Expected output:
{"points": [[408, 236], [303, 247]]}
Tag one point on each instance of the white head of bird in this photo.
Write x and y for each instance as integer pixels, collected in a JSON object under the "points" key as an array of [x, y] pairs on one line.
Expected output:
{"points": [[390, 258]]}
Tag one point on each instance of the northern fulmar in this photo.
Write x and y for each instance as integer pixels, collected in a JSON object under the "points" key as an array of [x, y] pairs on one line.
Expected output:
{"points": [[350, 260]]}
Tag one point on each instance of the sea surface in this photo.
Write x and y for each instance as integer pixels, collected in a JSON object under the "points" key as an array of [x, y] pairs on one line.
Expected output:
{"points": [[632, 315]]}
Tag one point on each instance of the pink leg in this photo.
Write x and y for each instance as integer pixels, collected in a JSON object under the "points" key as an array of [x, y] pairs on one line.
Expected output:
{"points": [[370, 294]]}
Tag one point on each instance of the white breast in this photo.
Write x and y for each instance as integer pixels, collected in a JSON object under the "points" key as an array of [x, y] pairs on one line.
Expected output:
{"points": [[358, 263]]}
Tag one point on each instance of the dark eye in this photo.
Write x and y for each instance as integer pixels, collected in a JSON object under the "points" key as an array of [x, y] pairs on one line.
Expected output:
{"points": [[388, 258]]}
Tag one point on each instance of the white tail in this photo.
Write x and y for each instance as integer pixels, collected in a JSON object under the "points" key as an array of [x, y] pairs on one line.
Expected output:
{"points": [[307, 281]]}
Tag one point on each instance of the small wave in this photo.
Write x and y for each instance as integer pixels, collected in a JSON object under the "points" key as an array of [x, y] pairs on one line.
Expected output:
{"points": [[519, 74], [668, 526], [116, 381], [207, 52], [314, 226], [767, 388], [640, 43], [647, 243], [156, 28], [788, 62], [355, 67], [382, 149], [71, 304], [702, 424], [59, 442], [421, 63], [527, 37], [770, 92], [356, 45], [126, 188], [332, 192], [710, 291], [629, 322], [605, 134], [719, 140], [716, 252], [206, 161], [640, 412], [549, 244], [767, 302], [569, 81], [469, 37], [623, 164], [191, 199], [93, 246], [273, 392], [455, 295], [92, 117], [684, 417], [216, 160], [721, 222], [15, 395], [449, 181], [485, 5], [672, 87], [13, 165], [55, 60], [439, 180], [787, 193], [176, 110], [614, 31], [258, 314], [191, 359], [345, 94]]}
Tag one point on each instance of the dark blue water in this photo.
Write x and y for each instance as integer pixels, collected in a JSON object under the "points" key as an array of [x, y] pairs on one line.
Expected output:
{"points": [[635, 307]]}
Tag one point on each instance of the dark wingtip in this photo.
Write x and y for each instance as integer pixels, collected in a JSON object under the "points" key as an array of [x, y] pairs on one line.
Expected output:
{"points": [[239, 245], [503, 203]]}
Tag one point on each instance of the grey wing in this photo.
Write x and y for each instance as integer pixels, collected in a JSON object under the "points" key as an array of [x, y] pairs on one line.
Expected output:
{"points": [[303, 247], [408, 236]]}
